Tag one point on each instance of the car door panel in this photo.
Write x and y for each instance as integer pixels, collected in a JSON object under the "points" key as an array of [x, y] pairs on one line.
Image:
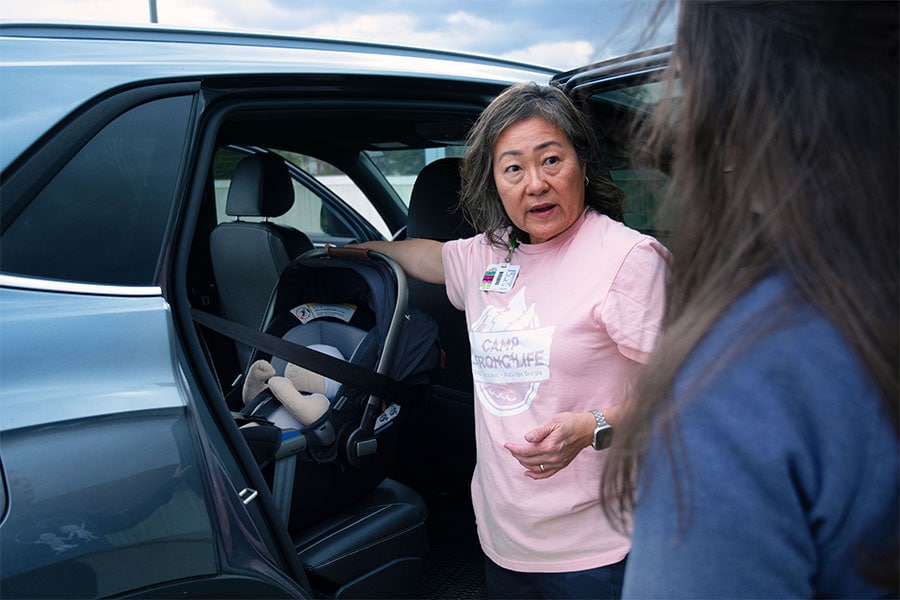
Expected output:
{"points": [[111, 484]]}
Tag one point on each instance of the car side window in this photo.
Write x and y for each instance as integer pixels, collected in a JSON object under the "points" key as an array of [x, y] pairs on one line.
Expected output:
{"points": [[102, 217], [644, 186], [401, 167], [644, 189], [310, 214]]}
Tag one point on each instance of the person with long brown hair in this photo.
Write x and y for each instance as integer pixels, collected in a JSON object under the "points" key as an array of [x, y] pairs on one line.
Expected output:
{"points": [[760, 458]]}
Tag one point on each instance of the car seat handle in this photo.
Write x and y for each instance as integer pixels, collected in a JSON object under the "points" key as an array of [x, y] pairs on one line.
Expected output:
{"points": [[336, 252]]}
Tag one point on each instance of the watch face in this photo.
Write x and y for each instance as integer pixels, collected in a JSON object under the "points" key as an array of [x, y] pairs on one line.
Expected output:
{"points": [[602, 438]]}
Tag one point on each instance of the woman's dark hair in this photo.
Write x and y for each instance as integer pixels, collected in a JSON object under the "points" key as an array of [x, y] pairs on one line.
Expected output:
{"points": [[784, 157], [479, 198]]}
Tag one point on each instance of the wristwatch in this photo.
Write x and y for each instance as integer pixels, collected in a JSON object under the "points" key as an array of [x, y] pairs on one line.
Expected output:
{"points": [[603, 433]]}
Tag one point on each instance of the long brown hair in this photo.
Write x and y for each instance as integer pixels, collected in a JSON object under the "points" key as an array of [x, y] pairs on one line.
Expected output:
{"points": [[479, 198], [784, 157]]}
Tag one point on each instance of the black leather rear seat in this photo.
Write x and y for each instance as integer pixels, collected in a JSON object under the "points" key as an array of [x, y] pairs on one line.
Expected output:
{"points": [[374, 549]]}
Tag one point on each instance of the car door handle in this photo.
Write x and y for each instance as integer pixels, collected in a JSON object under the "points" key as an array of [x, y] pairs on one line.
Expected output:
{"points": [[247, 495]]}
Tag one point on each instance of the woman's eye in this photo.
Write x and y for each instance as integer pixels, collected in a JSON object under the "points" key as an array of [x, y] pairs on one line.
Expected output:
{"points": [[512, 168], [551, 160]]}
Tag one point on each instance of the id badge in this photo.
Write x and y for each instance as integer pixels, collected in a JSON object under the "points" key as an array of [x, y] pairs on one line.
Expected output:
{"points": [[499, 278]]}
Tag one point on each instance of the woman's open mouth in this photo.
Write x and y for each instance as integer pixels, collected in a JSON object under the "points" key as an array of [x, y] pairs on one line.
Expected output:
{"points": [[542, 209]]}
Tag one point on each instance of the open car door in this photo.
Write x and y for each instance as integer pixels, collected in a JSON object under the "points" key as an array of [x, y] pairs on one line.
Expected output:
{"points": [[617, 94]]}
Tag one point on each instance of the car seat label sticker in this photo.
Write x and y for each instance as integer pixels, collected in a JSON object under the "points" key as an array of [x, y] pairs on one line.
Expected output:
{"points": [[386, 417], [499, 278], [314, 310], [510, 356]]}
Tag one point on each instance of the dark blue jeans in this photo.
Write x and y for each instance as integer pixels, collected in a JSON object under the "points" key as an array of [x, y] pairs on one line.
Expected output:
{"points": [[593, 584]]}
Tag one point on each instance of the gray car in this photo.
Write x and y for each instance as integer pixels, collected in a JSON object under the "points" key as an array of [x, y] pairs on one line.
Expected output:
{"points": [[126, 461]]}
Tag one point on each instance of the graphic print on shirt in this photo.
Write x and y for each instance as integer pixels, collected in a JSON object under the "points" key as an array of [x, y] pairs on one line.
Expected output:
{"points": [[510, 356]]}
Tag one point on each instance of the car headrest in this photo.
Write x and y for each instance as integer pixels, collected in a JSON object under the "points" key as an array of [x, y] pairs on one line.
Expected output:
{"points": [[433, 212], [260, 187]]}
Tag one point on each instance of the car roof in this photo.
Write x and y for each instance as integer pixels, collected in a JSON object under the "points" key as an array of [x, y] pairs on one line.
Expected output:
{"points": [[49, 70]]}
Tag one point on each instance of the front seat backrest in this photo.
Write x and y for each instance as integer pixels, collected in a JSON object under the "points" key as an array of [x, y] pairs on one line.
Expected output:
{"points": [[433, 210], [434, 214], [248, 257]]}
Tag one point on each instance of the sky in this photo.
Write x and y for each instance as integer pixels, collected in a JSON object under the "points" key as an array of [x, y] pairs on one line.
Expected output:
{"points": [[562, 34]]}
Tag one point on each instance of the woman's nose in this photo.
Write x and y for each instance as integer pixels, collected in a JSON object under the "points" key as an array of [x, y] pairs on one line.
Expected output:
{"points": [[534, 181]]}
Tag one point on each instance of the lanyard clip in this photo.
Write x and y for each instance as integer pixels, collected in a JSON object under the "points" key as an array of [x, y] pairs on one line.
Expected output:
{"points": [[513, 244]]}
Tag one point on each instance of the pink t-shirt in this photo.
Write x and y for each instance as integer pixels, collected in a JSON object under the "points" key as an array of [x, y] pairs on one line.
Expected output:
{"points": [[584, 307]]}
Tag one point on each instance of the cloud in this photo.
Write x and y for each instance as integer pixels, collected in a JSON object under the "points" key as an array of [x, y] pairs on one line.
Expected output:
{"points": [[182, 13], [457, 31], [461, 20], [559, 55], [96, 11], [194, 14], [460, 30], [265, 16], [384, 27]]}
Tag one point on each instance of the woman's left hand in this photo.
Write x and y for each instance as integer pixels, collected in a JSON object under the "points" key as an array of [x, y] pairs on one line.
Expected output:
{"points": [[552, 445]]}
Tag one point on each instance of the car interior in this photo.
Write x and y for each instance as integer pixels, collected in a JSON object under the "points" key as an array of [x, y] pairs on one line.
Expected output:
{"points": [[270, 195], [291, 169]]}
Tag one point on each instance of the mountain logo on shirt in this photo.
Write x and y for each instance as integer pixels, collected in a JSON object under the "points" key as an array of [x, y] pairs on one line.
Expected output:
{"points": [[510, 356]]}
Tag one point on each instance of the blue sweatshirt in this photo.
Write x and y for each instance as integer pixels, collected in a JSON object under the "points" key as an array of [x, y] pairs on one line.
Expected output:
{"points": [[786, 463]]}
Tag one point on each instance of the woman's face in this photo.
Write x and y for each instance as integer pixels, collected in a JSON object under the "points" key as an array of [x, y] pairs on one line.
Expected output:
{"points": [[539, 178]]}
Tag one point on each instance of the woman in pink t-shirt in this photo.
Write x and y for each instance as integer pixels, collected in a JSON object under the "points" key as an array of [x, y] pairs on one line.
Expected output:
{"points": [[562, 302]]}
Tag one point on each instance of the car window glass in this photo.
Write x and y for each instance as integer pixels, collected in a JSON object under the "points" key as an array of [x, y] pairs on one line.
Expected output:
{"points": [[102, 217], [644, 187], [309, 213], [401, 167], [643, 96]]}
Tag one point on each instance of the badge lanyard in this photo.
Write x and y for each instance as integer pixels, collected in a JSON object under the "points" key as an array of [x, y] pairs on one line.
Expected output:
{"points": [[501, 277]]}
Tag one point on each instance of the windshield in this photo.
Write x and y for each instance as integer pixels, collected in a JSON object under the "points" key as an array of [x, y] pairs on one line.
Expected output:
{"points": [[401, 167]]}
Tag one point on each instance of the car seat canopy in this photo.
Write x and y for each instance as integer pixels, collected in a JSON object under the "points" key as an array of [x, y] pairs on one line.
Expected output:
{"points": [[343, 297]]}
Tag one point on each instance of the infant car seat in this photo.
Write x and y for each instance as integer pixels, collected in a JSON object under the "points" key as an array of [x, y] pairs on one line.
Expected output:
{"points": [[355, 301], [357, 532]]}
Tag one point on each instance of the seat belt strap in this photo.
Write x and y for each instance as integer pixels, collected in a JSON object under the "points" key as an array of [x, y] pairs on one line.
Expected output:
{"points": [[283, 485], [363, 379]]}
